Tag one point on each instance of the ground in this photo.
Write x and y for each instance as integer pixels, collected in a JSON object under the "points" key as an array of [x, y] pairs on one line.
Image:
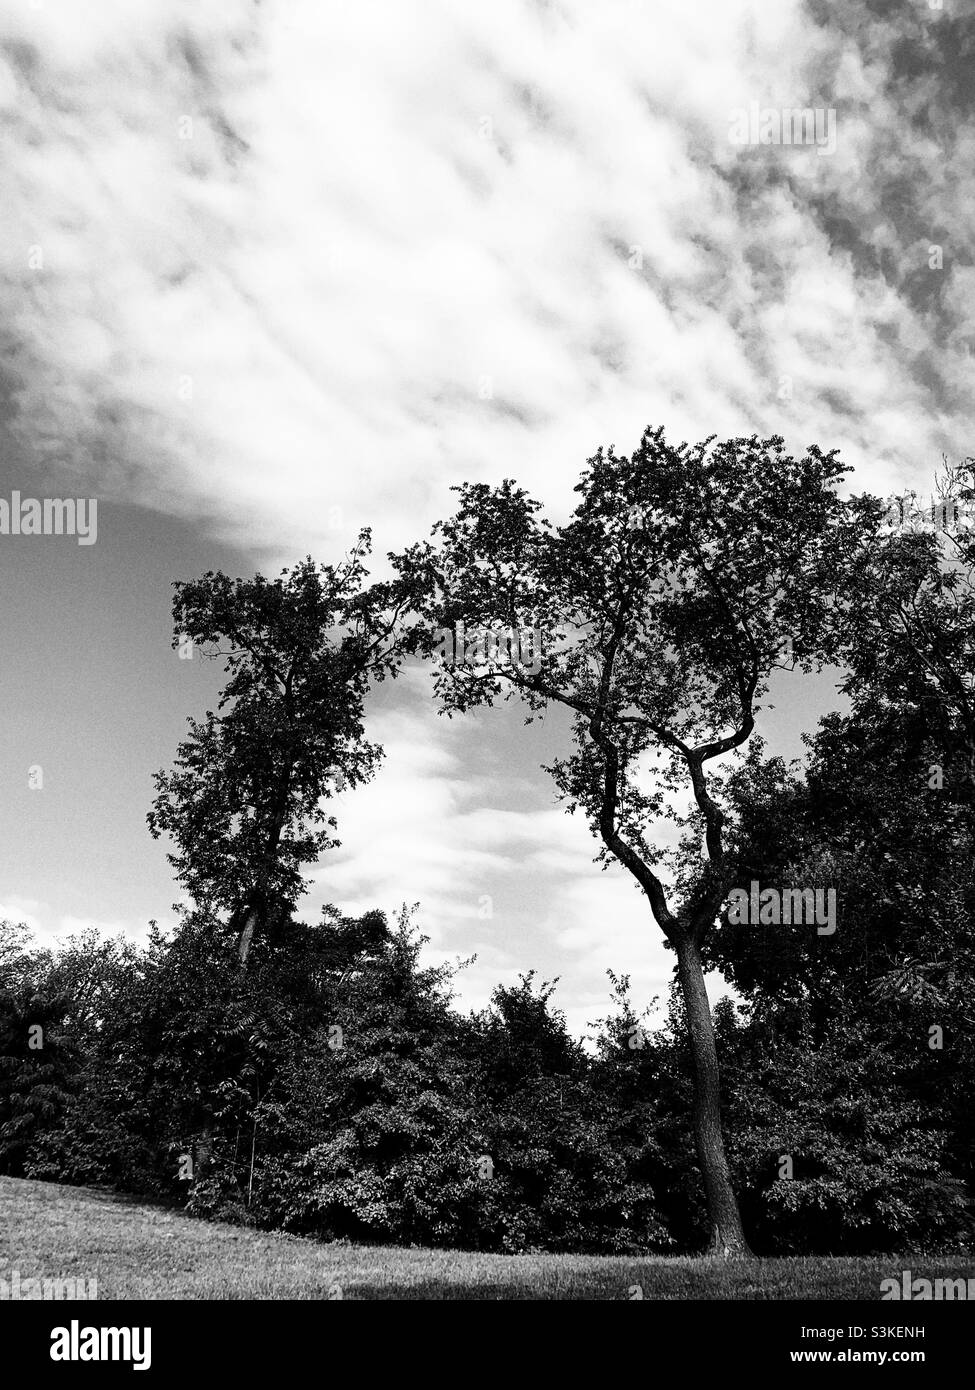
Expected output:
{"points": [[137, 1250]]}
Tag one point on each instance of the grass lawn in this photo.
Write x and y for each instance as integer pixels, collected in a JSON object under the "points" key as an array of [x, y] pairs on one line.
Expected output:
{"points": [[136, 1250]]}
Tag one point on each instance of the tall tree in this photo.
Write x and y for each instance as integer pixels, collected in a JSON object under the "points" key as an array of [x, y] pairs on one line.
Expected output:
{"points": [[684, 577], [244, 803], [909, 644]]}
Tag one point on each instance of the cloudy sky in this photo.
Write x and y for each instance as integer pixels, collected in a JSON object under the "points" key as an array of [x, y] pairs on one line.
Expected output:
{"points": [[274, 269]]}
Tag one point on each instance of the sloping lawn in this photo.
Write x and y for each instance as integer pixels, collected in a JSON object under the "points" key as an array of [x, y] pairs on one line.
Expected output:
{"points": [[136, 1251]]}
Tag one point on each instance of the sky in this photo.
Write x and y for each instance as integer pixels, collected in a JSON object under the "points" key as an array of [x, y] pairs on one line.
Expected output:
{"points": [[271, 271]]}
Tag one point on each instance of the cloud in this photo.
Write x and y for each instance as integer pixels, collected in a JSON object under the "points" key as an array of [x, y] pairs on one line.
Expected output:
{"points": [[71, 926], [51, 927], [497, 867], [27, 910], [305, 266]]}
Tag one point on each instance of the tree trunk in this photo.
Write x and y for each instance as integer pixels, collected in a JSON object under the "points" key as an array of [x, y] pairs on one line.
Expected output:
{"points": [[251, 922], [256, 907], [727, 1238], [203, 1150]]}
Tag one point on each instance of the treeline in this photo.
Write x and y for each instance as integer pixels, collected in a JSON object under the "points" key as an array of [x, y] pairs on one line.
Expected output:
{"points": [[331, 1089], [317, 1078]]}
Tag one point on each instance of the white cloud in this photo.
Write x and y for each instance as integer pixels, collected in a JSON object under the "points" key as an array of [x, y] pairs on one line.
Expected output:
{"points": [[27, 910], [387, 208]]}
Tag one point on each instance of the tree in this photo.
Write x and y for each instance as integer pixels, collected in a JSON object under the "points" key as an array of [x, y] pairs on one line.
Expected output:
{"points": [[855, 1061], [684, 577], [396, 1119], [244, 804], [566, 1172], [370, 1133], [38, 1060], [909, 644]]}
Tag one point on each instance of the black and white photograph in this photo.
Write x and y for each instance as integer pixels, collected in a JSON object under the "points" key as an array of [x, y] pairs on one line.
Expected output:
{"points": [[487, 594]]}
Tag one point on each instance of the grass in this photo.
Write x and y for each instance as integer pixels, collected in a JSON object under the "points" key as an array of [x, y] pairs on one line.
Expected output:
{"points": [[139, 1251]]}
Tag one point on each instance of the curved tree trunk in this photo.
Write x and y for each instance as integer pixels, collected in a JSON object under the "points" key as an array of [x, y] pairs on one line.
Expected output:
{"points": [[727, 1236], [251, 922], [247, 921]]}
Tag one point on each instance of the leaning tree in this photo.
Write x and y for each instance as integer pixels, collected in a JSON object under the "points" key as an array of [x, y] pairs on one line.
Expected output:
{"points": [[656, 615], [245, 804]]}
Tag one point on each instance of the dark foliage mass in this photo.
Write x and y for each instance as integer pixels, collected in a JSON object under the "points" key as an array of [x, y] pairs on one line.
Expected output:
{"points": [[332, 1090]]}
